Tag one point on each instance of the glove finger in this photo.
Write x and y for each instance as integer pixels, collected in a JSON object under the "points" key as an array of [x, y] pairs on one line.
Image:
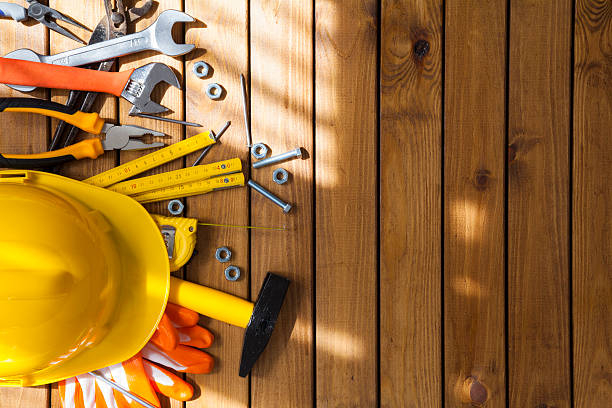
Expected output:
{"points": [[88, 387], [195, 336], [71, 395], [181, 316], [167, 383], [183, 359], [166, 336], [131, 375]]}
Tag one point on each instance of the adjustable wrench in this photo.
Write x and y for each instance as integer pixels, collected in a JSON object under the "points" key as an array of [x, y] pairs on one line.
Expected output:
{"points": [[156, 37]]}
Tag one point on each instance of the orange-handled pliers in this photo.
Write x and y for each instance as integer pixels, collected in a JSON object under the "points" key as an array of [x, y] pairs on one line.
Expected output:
{"points": [[118, 137]]}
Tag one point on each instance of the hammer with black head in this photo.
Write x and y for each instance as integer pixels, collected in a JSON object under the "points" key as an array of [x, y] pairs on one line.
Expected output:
{"points": [[257, 318], [134, 85]]}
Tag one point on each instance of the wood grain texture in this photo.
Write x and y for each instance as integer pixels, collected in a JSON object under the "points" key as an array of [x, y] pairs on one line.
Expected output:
{"points": [[281, 117], [23, 133], [221, 38], [592, 205], [474, 178], [410, 144], [538, 204], [346, 214]]}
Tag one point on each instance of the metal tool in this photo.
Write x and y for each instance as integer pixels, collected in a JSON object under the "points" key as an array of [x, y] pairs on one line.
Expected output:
{"points": [[156, 37], [285, 206], [164, 119], [278, 158], [232, 273], [280, 176], [223, 254], [176, 177], [98, 375], [41, 13], [259, 150], [117, 136], [245, 109], [133, 85], [152, 160], [113, 25], [176, 207], [207, 149]]}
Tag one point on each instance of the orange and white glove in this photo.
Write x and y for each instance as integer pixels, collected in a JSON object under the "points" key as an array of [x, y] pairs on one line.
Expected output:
{"points": [[172, 346]]}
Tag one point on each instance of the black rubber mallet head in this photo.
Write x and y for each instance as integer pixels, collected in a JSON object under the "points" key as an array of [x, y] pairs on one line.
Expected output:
{"points": [[260, 327]]}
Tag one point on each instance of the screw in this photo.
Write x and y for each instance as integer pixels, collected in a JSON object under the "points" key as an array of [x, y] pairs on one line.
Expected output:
{"points": [[285, 206], [278, 158]]}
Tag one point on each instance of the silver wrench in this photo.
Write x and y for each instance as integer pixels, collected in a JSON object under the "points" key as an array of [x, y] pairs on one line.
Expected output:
{"points": [[156, 37]]}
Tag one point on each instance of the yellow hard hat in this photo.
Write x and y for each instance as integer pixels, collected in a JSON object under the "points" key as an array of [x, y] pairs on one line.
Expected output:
{"points": [[84, 278]]}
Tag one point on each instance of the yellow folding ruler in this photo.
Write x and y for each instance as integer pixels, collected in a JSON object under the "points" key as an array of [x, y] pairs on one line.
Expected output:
{"points": [[176, 177], [152, 160], [191, 189]]}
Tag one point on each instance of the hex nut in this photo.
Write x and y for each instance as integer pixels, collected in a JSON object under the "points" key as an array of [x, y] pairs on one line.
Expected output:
{"points": [[232, 273], [259, 150], [201, 69], [214, 91], [223, 254], [280, 176], [176, 207]]}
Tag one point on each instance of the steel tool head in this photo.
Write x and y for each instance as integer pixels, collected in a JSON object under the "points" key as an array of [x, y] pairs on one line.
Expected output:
{"points": [[260, 327], [48, 16], [162, 32], [121, 137], [142, 82]]}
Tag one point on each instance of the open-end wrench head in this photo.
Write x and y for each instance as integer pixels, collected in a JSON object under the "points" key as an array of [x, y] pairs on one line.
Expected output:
{"points": [[162, 30], [141, 84]]}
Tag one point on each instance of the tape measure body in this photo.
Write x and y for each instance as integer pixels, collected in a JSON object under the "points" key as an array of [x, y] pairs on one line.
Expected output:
{"points": [[173, 178], [191, 189], [152, 160]]}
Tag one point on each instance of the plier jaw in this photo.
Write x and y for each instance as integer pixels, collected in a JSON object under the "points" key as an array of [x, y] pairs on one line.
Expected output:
{"points": [[125, 137], [48, 16]]}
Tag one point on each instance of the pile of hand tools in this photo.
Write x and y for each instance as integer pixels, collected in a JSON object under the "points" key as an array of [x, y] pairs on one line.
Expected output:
{"points": [[87, 71]]}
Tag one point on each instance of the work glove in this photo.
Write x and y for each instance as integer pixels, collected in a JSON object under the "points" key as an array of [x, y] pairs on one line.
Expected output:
{"points": [[172, 346]]}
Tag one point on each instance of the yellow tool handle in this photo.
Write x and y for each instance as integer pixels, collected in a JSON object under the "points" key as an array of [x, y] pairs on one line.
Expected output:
{"points": [[210, 302], [90, 148], [191, 189], [172, 178], [89, 122], [152, 160]]}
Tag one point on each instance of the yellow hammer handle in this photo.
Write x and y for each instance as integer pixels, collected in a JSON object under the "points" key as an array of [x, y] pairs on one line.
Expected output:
{"points": [[210, 302]]}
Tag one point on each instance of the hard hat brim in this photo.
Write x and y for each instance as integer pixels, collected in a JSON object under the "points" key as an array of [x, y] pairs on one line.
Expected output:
{"points": [[144, 277]]}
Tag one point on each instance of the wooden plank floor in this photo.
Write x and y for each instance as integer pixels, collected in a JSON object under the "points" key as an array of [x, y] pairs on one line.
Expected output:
{"points": [[451, 241]]}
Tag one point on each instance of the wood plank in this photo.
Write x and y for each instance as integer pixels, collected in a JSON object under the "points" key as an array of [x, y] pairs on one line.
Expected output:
{"points": [[220, 30], [168, 96], [474, 178], [282, 108], [592, 228], [346, 213], [23, 133], [538, 184], [410, 144]]}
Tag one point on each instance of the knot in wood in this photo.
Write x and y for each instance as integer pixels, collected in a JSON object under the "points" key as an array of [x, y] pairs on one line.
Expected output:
{"points": [[477, 394], [482, 179], [421, 48]]}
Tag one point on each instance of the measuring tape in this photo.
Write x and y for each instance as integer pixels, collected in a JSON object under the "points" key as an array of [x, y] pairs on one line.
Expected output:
{"points": [[191, 189], [173, 178], [152, 160]]}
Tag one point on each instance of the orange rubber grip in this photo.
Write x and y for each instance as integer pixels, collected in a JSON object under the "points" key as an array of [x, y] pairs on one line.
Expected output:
{"points": [[29, 73]]}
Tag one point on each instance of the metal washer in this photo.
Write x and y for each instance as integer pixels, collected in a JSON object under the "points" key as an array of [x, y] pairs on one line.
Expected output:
{"points": [[223, 250], [236, 273], [214, 91]]}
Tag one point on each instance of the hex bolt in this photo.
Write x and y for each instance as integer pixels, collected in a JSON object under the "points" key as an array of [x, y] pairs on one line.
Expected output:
{"points": [[285, 206], [278, 158]]}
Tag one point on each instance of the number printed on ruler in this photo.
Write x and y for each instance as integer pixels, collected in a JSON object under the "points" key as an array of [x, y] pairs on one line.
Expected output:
{"points": [[181, 176], [151, 160]]}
